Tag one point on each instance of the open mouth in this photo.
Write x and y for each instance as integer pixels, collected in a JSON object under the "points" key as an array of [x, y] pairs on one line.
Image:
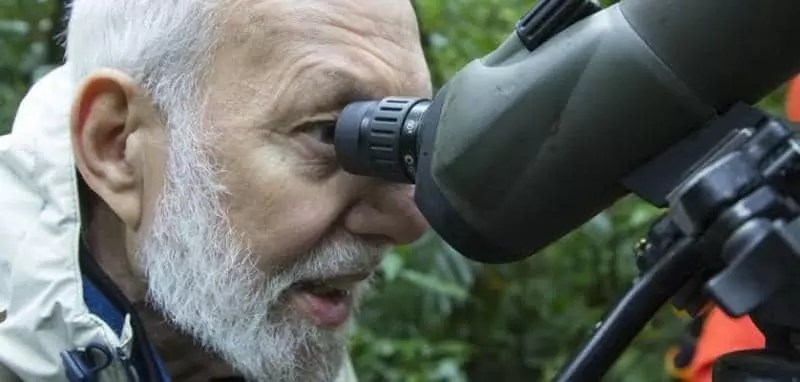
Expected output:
{"points": [[328, 302], [322, 289]]}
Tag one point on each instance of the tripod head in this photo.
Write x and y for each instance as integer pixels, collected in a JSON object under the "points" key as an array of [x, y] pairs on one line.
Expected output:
{"points": [[731, 237]]}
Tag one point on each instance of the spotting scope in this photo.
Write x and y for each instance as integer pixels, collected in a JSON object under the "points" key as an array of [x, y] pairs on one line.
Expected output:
{"points": [[527, 143]]}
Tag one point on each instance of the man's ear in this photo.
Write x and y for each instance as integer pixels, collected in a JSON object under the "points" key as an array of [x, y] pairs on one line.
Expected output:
{"points": [[107, 127]]}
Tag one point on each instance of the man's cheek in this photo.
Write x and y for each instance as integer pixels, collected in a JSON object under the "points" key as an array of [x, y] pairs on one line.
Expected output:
{"points": [[278, 210], [289, 223]]}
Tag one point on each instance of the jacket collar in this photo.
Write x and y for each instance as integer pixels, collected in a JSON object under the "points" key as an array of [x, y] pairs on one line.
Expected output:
{"points": [[106, 301]]}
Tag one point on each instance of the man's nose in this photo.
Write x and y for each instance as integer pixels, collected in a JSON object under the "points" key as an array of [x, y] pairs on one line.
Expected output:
{"points": [[389, 212]]}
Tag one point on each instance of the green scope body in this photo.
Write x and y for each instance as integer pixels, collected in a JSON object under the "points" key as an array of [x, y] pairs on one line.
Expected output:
{"points": [[527, 143]]}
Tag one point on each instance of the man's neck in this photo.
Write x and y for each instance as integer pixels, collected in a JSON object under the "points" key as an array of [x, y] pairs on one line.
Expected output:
{"points": [[184, 359]]}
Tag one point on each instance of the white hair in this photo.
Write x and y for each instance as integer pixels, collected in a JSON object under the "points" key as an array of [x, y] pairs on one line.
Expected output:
{"points": [[201, 274], [164, 45]]}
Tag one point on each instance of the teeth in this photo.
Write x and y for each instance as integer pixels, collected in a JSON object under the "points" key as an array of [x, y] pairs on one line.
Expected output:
{"points": [[325, 290], [340, 284]]}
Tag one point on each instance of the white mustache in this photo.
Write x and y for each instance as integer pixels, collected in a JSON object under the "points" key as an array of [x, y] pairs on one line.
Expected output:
{"points": [[333, 258]]}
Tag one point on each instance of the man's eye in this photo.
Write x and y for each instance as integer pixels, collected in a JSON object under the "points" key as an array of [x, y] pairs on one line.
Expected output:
{"points": [[322, 131]]}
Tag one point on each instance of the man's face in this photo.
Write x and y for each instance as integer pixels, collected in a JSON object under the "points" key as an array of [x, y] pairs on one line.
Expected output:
{"points": [[260, 242]]}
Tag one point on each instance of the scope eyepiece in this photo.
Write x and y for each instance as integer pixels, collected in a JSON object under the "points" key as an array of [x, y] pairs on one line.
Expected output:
{"points": [[380, 138]]}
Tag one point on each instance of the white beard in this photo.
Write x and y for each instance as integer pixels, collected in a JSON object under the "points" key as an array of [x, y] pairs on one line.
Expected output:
{"points": [[204, 280]]}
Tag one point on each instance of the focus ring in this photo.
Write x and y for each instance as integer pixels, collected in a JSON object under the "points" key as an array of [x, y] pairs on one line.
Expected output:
{"points": [[381, 133]]}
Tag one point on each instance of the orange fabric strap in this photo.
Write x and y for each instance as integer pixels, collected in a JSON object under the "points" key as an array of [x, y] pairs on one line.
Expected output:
{"points": [[793, 100], [721, 335]]}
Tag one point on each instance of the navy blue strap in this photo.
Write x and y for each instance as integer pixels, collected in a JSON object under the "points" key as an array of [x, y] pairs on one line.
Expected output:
{"points": [[102, 307]]}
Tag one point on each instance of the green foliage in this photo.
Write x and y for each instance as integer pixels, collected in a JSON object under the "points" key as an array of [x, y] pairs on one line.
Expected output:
{"points": [[521, 321], [26, 28], [409, 359], [434, 315]]}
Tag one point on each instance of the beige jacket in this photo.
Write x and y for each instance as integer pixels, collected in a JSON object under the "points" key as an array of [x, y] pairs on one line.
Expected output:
{"points": [[43, 292]]}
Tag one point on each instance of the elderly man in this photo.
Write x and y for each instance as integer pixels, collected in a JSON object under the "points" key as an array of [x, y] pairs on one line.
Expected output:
{"points": [[171, 203]]}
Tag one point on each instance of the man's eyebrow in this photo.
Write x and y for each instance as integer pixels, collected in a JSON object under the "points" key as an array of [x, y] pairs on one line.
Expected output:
{"points": [[334, 90], [321, 94]]}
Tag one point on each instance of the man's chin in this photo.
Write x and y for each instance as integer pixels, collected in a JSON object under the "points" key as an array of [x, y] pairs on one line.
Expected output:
{"points": [[297, 348]]}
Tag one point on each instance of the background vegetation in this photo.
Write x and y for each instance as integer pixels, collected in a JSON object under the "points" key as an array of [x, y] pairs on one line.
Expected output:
{"points": [[436, 316]]}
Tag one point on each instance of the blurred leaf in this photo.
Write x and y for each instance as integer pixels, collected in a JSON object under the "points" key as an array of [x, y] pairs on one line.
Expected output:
{"points": [[391, 265], [599, 228], [433, 284], [14, 27]]}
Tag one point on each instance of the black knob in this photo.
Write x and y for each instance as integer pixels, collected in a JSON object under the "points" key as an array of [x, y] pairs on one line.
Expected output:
{"points": [[549, 17], [378, 138], [696, 203], [762, 260]]}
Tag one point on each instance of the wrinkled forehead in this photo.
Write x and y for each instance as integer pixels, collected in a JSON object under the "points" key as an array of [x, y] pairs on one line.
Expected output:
{"points": [[390, 19], [281, 30], [330, 51]]}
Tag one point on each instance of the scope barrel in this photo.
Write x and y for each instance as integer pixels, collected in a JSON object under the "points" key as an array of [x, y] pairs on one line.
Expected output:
{"points": [[524, 145], [748, 48], [530, 145]]}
